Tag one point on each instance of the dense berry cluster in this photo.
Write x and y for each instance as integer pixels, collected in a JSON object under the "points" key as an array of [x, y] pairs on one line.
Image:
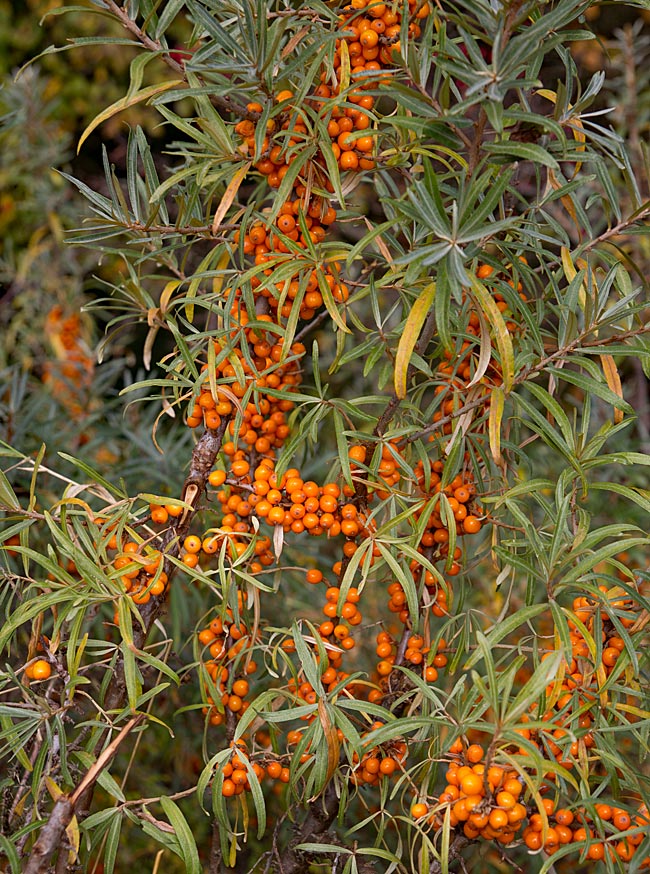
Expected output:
{"points": [[487, 800]]}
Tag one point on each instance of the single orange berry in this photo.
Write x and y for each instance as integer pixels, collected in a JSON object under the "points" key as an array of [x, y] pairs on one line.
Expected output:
{"points": [[40, 670]]}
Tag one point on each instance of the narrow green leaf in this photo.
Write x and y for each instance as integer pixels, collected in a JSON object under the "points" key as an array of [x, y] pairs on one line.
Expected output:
{"points": [[8, 498], [533, 687], [7, 849], [523, 152], [132, 676], [503, 629], [112, 843], [186, 842], [306, 657]]}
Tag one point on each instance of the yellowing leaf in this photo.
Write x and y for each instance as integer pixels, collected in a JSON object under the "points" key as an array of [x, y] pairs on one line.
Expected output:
{"points": [[635, 711], [381, 245], [331, 739], [72, 831], [485, 351], [124, 103], [76, 501], [167, 292], [53, 789], [218, 281], [570, 271], [147, 351], [229, 195], [497, 403], [499, 331], [613, 381], [344, 69], [410, 336], [464, 421]]}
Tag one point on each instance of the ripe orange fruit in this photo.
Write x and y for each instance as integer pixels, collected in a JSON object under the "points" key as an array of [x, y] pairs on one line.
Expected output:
{"points": [[471, 784], [40, 670]]}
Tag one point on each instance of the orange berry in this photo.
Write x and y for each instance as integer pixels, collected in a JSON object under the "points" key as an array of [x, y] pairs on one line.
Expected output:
{"points": [[505, 800], [192, 544], [532, 839], [159, 515], [228, 788], [471, 525], [622, 820], [217, 478], [40, 670], [240, 687], [514, 787], [357, 453], [471, 784], [239, 777], [564, 816], [596, 851], [498, 819], [604, 811]]}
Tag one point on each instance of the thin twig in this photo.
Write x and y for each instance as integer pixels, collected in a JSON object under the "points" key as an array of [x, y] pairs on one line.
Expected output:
{"points": [[529, 372], [153, 45], [453, 858], [614, 231]]}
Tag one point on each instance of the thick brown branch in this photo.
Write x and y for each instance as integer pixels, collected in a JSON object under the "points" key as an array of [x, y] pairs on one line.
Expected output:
{"points": [[319, 818], [457, 846], [50, 837], [203, 458]]}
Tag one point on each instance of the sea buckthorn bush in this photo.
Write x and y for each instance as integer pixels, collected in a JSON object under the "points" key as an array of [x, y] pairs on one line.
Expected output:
{"points": [[380, 603]]}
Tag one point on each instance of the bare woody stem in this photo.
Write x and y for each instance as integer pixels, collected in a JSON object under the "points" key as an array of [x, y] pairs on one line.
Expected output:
{"points": [[458, 844], [320, 816]]}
